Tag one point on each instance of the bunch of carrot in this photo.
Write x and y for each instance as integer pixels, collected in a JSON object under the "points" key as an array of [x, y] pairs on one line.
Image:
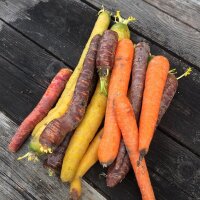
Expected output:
{"points": [[68, 132]]}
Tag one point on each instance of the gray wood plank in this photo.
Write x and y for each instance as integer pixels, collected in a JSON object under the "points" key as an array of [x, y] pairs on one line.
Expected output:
{"points": [[27, 56], [52, 24], [186, 11], [163, 29], [24, 180]]}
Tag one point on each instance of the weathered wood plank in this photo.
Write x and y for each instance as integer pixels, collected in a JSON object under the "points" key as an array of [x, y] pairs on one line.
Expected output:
{"points": [[24, 180], [165, 30], [186, 11], [27, 56], [127, 189], [19, 93], [52, 24]]}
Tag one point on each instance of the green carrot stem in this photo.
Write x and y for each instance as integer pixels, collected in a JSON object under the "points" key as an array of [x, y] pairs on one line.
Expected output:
{"points": [[186, 73]]}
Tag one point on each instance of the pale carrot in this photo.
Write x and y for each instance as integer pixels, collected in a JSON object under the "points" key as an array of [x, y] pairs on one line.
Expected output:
{"points": [[128, 126], [118, 85]]}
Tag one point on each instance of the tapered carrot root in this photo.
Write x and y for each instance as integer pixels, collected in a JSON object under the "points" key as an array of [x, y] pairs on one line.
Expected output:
{"points": [[119, 81], [40, 111], [128, 126], [89, 159], [57, 129], [156, 76]]}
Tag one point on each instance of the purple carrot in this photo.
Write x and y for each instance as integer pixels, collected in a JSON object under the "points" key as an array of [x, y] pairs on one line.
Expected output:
{"points": [[57, 129]]}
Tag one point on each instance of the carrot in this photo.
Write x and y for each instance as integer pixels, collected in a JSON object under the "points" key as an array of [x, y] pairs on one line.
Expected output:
{"points": [[54, 160], [128, 126], [118, 170], [121, 26], [105, 57], [117, 173], [119, 81], [83, 135], [56, 130], [142, 51], [156, 76], [88, 160], [42, 108]]}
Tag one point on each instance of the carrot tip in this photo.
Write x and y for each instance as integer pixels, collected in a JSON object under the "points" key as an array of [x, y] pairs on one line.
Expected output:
{"points": [[74, 195], [143, 152], [104, 165]]}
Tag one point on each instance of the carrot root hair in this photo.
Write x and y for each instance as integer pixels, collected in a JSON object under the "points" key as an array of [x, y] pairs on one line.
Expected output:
{"points": [[44, 149], [31, 157], [103, 10], [186, 73]]}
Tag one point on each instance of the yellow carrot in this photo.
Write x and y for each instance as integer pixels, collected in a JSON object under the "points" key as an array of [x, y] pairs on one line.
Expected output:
{"points": [[89, 159], [100, 26], [84, 135]]}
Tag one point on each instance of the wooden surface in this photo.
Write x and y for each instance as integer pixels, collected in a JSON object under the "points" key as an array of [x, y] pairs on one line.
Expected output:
{"points": [[39, 37], [25, 180]]}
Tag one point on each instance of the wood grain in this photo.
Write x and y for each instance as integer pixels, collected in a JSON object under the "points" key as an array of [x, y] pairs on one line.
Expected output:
{"points": [[52, 24], [155, 25], [27, 56], [185, 11], [25, 180]]}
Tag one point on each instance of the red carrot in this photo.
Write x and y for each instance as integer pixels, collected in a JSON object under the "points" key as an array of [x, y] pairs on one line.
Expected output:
{"points": [[40, 111], [156, 76], [128, 126], [56, 130], [119, 81]]}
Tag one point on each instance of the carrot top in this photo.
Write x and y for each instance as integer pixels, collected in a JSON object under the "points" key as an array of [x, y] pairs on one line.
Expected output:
{"points": [[121, 25]]}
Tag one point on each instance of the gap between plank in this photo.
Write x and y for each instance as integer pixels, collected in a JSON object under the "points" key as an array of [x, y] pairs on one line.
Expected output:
{"points": [[171, 15], [36, 43], [177, 141]]}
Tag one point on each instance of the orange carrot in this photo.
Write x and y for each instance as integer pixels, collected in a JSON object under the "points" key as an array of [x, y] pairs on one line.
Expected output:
{"points": [[156, 77], [40, 111], [128, 126], [118, 85]]}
